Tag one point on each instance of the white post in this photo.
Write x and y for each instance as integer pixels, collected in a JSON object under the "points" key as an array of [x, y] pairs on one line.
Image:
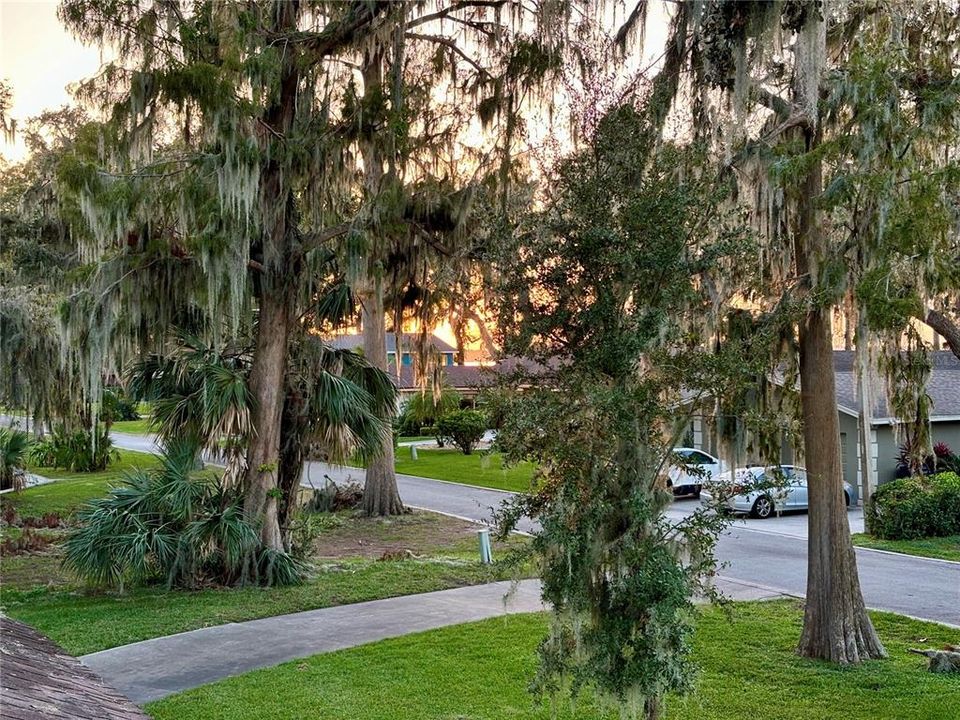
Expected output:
{"points": [[486, 556]]}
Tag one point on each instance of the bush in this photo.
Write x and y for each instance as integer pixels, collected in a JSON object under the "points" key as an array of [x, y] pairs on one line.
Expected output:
{"points": [[117, 407], [463, 428], [424, 409], [172, 524], [80, 451], [332, 497], [14, 447], [913, 508], [432, 431]]}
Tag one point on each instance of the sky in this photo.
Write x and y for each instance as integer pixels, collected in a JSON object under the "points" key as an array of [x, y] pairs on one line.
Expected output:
{"points": [[40, 59]]}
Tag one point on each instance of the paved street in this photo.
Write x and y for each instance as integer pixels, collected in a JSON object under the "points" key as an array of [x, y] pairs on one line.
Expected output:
{"points": [[770, 553]]}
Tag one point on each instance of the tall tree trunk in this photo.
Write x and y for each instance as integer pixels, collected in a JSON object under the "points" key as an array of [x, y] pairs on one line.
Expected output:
{"points": [[380, 493], [266, 387], [836, 625], [281, 273]]}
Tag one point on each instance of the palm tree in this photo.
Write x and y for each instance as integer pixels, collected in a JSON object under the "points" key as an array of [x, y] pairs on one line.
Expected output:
{"points": [[13, 449], [335, 405]]}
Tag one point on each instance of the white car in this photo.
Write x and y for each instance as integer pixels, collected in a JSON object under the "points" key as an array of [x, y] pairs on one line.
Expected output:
{"points": [[692, 469], [758, 490]]}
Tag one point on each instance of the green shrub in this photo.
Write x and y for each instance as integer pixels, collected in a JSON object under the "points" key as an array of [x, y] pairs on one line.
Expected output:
{"points": [[946, 492], [423, 409], [463, 428], [914, 508], [117, 407], [14, 447], [79, 451], [172, 524]]}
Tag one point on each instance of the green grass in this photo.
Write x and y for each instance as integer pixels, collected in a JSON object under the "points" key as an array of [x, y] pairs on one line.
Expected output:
{"points": [[67, 494], [134, 427], [480, 671], [944, 548], [84, 623], [481, 468]]}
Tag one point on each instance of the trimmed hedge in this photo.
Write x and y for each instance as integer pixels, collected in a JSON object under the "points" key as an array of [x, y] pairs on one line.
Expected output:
{"points": [[915, 508]]}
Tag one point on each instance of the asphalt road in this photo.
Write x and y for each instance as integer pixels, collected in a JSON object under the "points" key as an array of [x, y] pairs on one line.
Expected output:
{"points": [[769, 553]]}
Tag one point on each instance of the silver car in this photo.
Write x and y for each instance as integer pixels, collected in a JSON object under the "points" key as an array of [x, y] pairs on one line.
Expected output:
{"points": [[762, 491]]}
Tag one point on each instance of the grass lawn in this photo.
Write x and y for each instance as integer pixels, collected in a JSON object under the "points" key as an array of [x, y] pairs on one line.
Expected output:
{"points": [[945, 548], [66, 495], [481, 468], [134, 427], [354, 558], [481, 671]]}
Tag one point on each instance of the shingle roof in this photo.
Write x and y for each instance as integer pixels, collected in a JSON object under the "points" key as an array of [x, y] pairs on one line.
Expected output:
{"points": [[473, 377], [39, 680], [461, 377], [943, 385]]}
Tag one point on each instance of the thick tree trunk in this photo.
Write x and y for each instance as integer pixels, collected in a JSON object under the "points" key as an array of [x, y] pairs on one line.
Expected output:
{"points": [[380, 493], [836, 625], [266, 387], [281, 273]]}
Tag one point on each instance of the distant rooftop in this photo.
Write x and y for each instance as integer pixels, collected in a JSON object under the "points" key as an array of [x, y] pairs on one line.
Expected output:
{"points": [[943, 386]]}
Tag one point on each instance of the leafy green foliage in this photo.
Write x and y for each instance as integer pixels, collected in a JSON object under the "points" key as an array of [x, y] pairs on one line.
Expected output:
{"points": [[117, 407], [611, 292], [76, 451], [173, 524], [425, 407], [464, 428], [14, 448], [914, 508]]}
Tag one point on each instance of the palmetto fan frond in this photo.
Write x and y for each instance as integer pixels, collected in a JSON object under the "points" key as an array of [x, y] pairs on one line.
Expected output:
{"points": [[200, 397]]}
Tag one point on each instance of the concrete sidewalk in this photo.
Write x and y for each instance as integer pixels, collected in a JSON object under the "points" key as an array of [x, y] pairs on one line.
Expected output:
{"points": [[153, 669]]}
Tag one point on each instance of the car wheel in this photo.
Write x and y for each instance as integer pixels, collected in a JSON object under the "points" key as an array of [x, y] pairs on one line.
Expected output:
{"points": [[762, 507], [846, 498]]}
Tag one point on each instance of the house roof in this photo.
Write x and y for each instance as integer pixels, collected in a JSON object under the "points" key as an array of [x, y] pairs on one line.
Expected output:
{"points": [[39, 680], [943, 386], [460, 377], [409, 342], [474, 377]]}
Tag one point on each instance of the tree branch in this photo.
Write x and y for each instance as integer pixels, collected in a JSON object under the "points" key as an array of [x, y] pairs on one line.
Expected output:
{"points": [[315, 240], [772, 101], [339, 33], [445, 12], [453, 46], [946, 327]]}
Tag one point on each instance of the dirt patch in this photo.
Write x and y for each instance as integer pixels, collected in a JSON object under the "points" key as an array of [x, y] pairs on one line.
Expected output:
{"points": [[415, 534]]}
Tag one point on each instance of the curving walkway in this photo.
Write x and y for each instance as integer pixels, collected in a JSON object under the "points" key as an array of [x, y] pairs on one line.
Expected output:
{"points": [[153, 669]]}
